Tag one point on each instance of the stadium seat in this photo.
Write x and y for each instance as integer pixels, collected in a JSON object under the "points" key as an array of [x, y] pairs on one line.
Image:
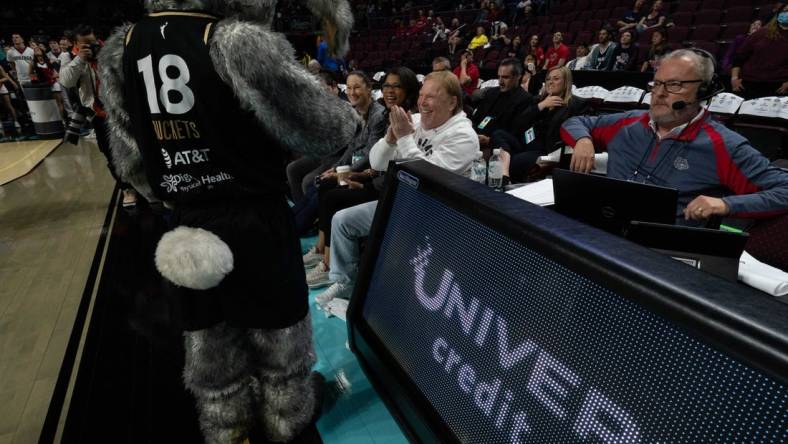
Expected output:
{"points": [[705, 33], [560, 26], [741, 3], [712, 47], [708, 17], [682, 18], [768, 241], [585, 15], [583, 37], [594, 25], [583, 5], [735, 29], [677, 35], [602, 14], [740, 14], [576, 26], [712, 4], [687, 7], [547, 28], [598, 4], [769, 136], [644, 39]]}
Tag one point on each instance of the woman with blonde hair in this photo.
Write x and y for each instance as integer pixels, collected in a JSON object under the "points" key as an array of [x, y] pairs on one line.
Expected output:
{"points": [[537, 128]]}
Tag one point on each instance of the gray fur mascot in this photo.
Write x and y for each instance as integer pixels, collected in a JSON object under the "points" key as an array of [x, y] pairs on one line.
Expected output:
{"points": [[203, 100]]}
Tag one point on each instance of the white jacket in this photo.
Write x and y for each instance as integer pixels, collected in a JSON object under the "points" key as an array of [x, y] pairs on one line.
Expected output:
{"points": [[79, 72], [452, 146]]}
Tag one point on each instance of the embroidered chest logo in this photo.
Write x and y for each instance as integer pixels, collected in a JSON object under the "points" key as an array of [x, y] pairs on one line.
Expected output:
{"points": [[171, 182], [681, 164], [426, 146]]}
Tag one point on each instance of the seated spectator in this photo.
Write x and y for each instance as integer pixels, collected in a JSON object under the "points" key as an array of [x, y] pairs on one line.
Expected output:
{"points": [[441, 33], [529, 70], [601, 58], [537, 128], [499, 39], [716, 171], [558, 54], [333, 196], [301, 173], [456, 35], [535, 50], [440, 134], [626, 53], [659, 47], [515, 49], [54, 53], [468, 73], [7, 85], [498, 106], [479, 40], [760, 67], [656, 18], [581, 60], [727, 60], [632, 18], [441, 64]]}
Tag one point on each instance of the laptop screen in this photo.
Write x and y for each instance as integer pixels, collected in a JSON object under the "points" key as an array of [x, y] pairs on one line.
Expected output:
{"points": [[610, 204]]}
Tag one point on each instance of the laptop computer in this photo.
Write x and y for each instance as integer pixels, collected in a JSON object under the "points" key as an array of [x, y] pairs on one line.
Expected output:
{"points": [[714, 251], [610, 204]]}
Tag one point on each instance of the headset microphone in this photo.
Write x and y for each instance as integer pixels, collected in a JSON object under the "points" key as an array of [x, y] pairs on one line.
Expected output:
{"points": [[678, 106]]}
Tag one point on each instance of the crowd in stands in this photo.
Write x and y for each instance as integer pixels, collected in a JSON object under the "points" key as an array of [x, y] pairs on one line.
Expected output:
{"points": [[459, 115]]}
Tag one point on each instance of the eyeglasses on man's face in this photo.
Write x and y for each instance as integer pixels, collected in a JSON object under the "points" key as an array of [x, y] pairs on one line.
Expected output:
{"points": [[671, 86]]}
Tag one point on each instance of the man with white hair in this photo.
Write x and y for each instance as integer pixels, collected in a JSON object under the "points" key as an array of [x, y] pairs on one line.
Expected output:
{"points": [[440, 134], [678, 144]]}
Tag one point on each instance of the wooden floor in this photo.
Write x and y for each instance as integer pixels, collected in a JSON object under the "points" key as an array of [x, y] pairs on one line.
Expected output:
{"points": [[19, 158], [50, 223]]}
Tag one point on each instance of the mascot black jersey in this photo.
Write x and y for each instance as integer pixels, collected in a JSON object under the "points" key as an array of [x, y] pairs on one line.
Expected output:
{"points": [[196, 143]]}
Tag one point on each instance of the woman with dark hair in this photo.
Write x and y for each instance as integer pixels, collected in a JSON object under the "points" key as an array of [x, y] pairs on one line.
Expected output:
{"points": [[535, 50], [515, 49], [659, 47], [400, 88], [760, 67], [537, 128]]}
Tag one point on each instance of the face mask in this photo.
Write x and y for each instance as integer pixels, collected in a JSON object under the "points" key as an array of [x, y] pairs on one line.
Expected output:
{"points": [[782, 18]]}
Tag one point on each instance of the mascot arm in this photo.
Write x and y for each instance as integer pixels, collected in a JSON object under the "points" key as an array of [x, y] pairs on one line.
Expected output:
{"points": [[126, 155], [290, 104]]}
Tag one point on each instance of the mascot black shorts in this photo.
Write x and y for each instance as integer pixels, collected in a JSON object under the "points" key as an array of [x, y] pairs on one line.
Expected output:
{"points": [[267, 287]]}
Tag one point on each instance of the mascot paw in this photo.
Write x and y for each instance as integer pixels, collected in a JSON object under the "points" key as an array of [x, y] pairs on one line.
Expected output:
{"points": [[193, 258]]}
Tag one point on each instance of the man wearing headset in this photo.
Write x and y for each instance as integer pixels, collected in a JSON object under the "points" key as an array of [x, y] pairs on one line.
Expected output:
{"points": [[678, 144]]}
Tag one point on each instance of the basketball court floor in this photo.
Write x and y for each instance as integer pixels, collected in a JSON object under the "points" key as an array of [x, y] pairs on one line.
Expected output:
{"points": [[86, 350]]}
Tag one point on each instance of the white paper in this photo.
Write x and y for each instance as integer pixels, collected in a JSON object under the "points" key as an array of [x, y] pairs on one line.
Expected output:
{"points": [[538, 193], [646, 99], [764, 277], [592, 92], [492, 83], [377, 94], [625, 94], [725, 103], [337, 307], [765, 107], [342, 87], [600, 160], [378, 75]]}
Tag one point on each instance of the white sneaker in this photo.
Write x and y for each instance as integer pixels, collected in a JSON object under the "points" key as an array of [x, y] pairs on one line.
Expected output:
{"points": [[336, 290], [318, 276], [312, 257]]}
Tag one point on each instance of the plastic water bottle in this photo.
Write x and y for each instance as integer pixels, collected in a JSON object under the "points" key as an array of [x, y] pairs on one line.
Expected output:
{"points": [[495, 170], [358, 156], [479, 169]]}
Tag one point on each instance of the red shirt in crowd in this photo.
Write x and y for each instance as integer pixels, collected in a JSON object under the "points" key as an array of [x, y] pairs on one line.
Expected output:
{"points": [[473, 72], [554, 55]]}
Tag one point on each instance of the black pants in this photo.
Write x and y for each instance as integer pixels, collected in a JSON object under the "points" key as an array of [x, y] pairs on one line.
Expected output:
{"points": [[337, 199], [523, 156]]}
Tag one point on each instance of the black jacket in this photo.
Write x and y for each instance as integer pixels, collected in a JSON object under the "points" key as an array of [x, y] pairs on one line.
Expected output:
{"points": [[502, 107], [547, 123]]}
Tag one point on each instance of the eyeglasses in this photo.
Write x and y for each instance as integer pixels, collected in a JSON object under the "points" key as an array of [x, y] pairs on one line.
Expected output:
{"points": [[671, 86], [391, 86]]}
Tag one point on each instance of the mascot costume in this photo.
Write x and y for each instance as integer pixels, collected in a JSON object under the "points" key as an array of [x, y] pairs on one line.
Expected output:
{"points": [[203, 100]]}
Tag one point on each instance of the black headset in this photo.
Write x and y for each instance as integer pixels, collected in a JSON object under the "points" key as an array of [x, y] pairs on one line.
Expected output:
{"points": [[709, 89]]}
